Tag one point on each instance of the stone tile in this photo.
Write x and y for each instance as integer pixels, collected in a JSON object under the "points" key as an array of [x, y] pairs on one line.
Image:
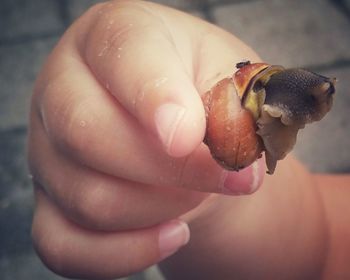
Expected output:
{"points": [[343, 4], [25, 267], [324, 146], [225, 2], [17, 258], [181, 4], [19, 65], [290, 32], [78, 7], [20, 18], [16, 202]]}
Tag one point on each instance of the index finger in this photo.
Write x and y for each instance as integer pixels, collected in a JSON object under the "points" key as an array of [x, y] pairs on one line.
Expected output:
{"points": [[149, 72]]}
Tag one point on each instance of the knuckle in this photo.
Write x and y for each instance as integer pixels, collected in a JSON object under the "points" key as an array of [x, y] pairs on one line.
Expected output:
{"points": [[72, 132], [108, 33], [68, 123], [69, 118], [115, 28], [49, 247], [97, 208]]}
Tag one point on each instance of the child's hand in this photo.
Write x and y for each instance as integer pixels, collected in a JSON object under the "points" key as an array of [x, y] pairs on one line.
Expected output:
{"points": [[280, 232], [115, 137]]}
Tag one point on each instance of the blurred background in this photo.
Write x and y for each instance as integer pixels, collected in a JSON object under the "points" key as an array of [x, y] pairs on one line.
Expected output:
{"points": [[314, 34]]}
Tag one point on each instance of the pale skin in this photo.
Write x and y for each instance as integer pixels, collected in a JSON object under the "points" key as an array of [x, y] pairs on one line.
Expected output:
{"points": [[123, 180]]}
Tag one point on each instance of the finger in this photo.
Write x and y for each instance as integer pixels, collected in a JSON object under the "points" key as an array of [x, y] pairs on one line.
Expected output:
{"points": [[73, 251], [140, 64], [78, 115], [100, 201], [82, 119]]}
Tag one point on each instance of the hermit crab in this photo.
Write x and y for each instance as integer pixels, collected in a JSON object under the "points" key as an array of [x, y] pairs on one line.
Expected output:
{"points": [[261, 109]]}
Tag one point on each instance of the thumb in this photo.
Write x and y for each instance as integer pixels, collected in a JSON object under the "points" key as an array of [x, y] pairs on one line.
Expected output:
{"points": [[143, 70]]}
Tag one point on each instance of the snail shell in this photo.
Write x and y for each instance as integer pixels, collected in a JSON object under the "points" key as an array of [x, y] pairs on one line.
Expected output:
{"points": [[261, 108], [231, 129]]}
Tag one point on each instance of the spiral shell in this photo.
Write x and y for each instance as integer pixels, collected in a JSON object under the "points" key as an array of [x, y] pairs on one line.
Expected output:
{"points": [[261, 108], [231, 129]]}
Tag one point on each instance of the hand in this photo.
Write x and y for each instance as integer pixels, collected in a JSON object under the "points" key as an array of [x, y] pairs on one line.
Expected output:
{"points": [[292, 227], [115, 137]]}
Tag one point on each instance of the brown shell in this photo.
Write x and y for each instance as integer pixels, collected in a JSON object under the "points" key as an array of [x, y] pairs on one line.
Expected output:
{"points": [[231, 130], [242, 77]]}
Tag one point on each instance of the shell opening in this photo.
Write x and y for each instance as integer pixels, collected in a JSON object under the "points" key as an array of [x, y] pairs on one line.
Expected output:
{"points": [[254, 95]]}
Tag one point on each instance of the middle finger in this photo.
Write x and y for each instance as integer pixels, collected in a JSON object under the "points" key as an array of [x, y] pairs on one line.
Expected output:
{"points": [[100, 201]]}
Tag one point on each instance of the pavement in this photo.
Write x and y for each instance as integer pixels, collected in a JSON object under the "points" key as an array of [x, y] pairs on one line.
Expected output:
{"points": [[313, 34]]}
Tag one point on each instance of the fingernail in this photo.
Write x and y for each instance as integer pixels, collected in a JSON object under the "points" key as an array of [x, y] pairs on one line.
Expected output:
{"points": [[242, 182], [167, 118], [172, 236]]}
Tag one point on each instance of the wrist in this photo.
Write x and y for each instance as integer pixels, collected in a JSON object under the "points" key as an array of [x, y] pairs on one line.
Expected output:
{"points": [[335, 192], [280, 230]]}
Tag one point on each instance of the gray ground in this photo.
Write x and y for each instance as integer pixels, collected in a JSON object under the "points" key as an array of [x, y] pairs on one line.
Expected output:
{"points": [[313, 34]]}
